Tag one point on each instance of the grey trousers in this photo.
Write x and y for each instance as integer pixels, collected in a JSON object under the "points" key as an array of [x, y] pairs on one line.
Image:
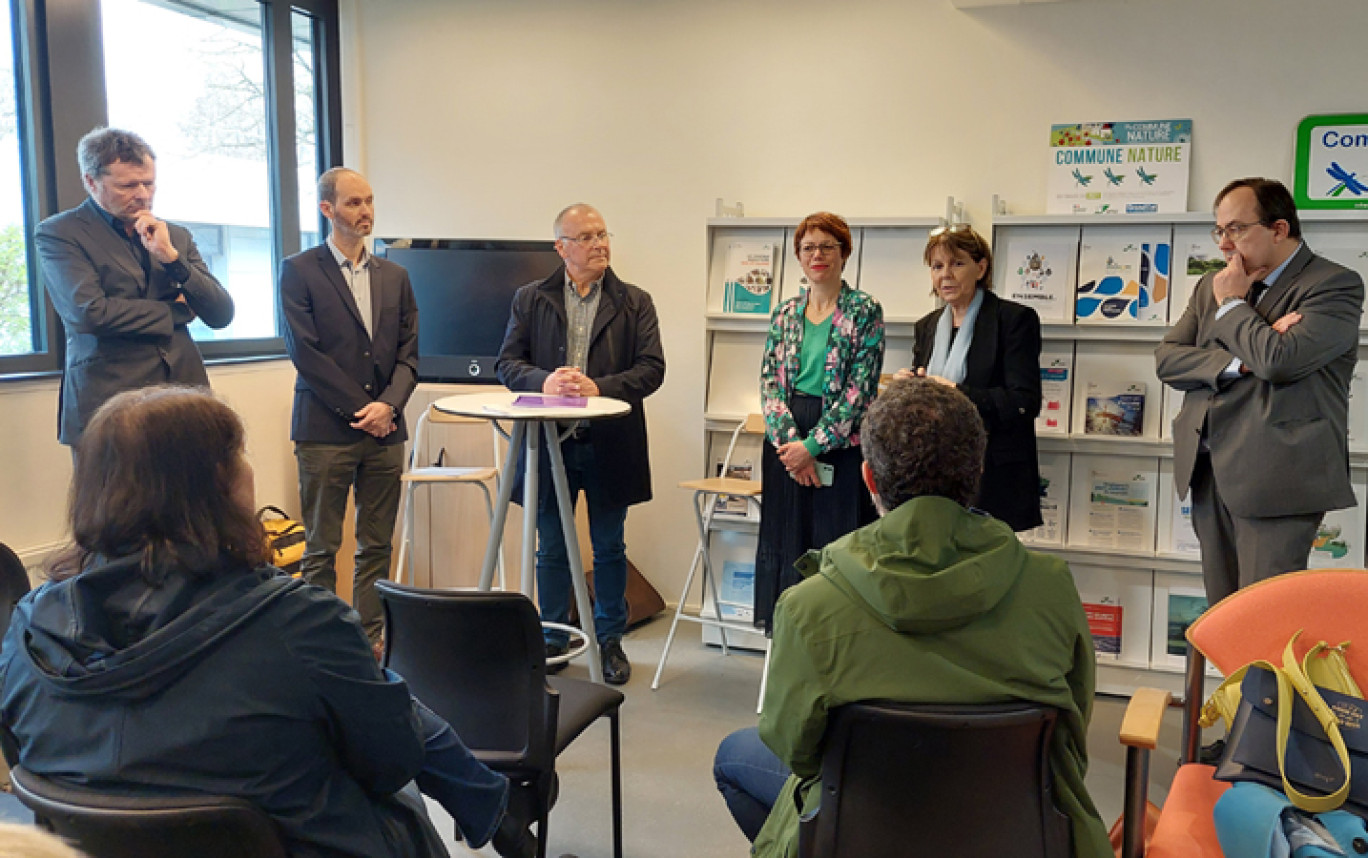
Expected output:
{"points": [[1238, 551], [327, 473]]}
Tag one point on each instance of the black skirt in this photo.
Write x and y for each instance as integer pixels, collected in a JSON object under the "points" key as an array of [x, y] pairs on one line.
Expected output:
{"points": [[795, 518]]}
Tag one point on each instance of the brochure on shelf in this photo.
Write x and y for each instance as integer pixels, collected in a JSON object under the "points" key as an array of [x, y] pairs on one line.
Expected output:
{"points": [[1123, 275], [1176, 536], [1340, 539], [1112, 503], [1104, 624], [1056, 388], [1115, 409], [1125, 595], [1112, 366], [1178, 600], [1194, 255], [1037, 267], [720, 240], [1054, 501], [749, 281], [736, 593], [1120, 507], [1119, 167]]}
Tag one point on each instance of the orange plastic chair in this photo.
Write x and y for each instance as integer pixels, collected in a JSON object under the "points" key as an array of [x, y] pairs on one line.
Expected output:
{"points": [[1256, 622]]}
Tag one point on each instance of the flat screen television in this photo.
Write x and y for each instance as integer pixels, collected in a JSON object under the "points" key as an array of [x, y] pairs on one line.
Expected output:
{"points": [[464, 289]]}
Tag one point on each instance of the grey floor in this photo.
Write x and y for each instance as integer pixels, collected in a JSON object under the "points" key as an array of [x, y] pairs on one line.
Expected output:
{"points": [[670, 806]]}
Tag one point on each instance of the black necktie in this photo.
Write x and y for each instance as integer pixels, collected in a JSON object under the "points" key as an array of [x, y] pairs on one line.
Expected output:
{"points": [[1256, 291]]}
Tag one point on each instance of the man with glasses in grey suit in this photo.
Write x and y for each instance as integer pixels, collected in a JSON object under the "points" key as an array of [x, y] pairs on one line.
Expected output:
{"points": [[1264, 353], [125, 283]]}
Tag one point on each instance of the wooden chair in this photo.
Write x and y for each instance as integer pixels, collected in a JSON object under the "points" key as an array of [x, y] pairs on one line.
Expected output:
{"points": [[434, 475], [1253, 623], [705, 496]]}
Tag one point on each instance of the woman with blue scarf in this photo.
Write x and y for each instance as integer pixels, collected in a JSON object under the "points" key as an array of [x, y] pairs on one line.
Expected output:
{"points": [[989, 348]]}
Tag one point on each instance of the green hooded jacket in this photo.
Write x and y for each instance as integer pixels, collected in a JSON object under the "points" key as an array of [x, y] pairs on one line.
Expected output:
{"points": [[930, 604]]}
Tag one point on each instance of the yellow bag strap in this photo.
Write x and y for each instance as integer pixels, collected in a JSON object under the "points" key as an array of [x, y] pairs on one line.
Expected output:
{"points": [[1292, 677], [1327, 667], [1323, 664]]}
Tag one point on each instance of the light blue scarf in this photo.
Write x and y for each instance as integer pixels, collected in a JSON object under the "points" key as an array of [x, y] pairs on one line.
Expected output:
{"points": [[947, 361]]}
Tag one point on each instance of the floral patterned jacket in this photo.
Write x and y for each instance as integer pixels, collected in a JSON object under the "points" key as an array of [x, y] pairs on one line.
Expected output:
{"points": [[853, 362]]}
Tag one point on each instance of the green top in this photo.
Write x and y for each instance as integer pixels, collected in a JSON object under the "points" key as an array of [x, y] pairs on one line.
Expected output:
{"points": [[930, 604], [812, 361]]}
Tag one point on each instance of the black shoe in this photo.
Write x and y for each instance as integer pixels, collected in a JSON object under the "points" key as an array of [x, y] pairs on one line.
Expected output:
{"points": [[552, 651], [1211, 754], [616, 669], [512, 839]]}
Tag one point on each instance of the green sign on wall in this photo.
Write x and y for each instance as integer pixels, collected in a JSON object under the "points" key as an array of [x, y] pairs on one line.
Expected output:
{"points": [[1332, 162]]}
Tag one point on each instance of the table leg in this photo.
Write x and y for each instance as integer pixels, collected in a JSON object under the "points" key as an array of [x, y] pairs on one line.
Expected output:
{"points": [[531, 490], [567, 517], [496, 524]]}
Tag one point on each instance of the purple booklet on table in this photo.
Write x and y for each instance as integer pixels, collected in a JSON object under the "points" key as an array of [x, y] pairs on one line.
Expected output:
{"points": [[532, 401]]}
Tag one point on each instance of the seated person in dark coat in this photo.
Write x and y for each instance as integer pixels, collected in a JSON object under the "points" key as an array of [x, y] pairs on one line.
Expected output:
{"points": [[166, 655]]}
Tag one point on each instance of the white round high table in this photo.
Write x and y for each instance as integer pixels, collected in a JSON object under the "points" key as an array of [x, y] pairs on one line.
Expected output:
{"points": [[534, 415]]}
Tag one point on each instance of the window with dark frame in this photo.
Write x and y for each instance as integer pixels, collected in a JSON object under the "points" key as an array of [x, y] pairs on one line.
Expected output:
{"points": [[245, 114]]}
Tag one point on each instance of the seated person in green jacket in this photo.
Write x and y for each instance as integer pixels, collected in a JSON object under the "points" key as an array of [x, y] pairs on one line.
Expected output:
{"points": [[898, 610]]}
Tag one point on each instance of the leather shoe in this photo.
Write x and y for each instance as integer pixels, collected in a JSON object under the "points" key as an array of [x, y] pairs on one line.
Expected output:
{"points": [[552, 651], [616, 669], [512, 839]]}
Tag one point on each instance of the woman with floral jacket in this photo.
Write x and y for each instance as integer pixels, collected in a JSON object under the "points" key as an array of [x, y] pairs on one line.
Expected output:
{"points": [[819, 375]]}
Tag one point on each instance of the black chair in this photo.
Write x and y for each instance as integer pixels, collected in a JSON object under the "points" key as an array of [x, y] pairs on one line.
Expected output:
{"points": [[105, 825], [478, 660], [14, 583], [903, 781]]}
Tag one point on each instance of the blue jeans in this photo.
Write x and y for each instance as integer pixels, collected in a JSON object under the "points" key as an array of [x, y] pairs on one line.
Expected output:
{"points": [[466, 788], [606, 524], [750, 778]]}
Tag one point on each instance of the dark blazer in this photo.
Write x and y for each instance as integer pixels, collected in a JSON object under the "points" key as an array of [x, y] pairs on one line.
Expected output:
{"points": [[124, 329], [340, 368], [1279, 435], [1002, 378], [625, 360]]}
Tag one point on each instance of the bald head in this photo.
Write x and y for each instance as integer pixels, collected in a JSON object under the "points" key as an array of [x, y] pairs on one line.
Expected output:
{"points": [[574, 212]]}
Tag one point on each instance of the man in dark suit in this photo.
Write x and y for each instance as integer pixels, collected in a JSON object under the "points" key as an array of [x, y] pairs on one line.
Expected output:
{"points": [[1264, 353], [584, 332], [125, 283], [351, 328]]}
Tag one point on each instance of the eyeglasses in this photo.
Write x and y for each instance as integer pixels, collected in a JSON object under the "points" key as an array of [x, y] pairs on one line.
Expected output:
{"points": [[1233, 230], [951, 227], [589, 240], [812, 249]]}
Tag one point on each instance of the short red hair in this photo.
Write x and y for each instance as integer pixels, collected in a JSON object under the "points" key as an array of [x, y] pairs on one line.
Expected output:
{"points": [[832, 224]]}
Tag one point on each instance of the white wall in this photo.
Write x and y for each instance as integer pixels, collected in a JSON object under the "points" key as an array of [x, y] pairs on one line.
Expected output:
{"points": [[482, 118], [36, 469]]}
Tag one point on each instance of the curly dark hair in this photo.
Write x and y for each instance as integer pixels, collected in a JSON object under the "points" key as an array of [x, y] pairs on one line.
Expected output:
{"points": [[155, 473], [921, 437]]}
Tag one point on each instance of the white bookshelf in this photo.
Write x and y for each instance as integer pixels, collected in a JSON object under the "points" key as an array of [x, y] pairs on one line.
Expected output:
{"points": [[1158, 575]]}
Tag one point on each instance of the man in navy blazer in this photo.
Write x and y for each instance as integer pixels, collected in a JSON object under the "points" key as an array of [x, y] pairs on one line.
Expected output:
{"points": [[124, 282], [351, 328], [1264, 354]]}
